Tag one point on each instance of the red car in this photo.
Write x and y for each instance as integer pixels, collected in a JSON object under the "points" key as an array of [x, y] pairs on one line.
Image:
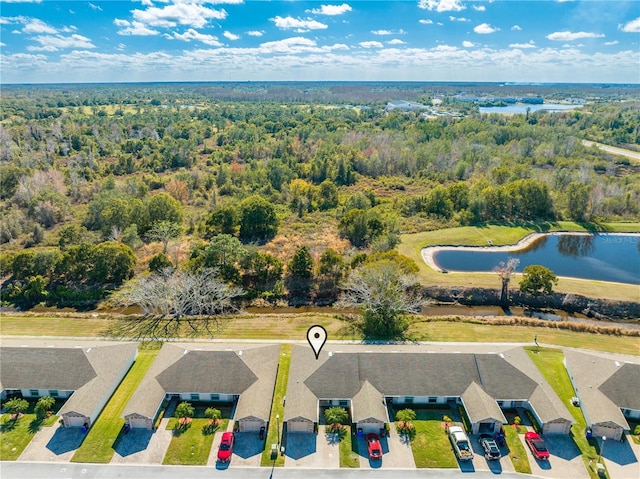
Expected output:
{"points": [[226, 447], [374, 447], [536, 444]]}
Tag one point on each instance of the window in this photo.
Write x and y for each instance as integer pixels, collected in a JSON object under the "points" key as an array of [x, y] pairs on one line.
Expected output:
{"points": [[344, 403], [500, 403], [195, 396], [215, 397], [433, 399], [34, 392], [53, 393], [408, 399]]}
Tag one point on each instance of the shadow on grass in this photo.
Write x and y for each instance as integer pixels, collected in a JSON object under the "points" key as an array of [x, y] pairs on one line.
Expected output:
{"points": [[8, 425], [35, 425], [154, 328]]}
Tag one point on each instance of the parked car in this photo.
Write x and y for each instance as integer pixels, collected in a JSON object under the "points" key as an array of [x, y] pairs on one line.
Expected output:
{"points": [[491, 449], [537, 446], [374, 447], [460, 443], [226, 447]]}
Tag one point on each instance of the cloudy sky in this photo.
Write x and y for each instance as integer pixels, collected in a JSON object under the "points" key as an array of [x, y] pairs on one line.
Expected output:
{"points": [[235, 40]]}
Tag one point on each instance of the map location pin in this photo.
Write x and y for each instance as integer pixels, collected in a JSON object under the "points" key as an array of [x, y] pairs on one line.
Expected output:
{"points": [[317, 336]]}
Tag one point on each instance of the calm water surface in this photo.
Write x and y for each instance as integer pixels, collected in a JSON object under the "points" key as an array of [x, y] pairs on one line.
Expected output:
{"points": [[522, 108], [602, 257]]}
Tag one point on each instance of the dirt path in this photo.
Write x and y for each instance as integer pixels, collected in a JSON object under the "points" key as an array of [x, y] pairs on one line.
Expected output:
{"points": [[614, 150]]}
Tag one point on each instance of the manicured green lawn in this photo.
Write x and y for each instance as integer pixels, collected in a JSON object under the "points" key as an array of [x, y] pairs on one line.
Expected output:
{"points": [[349, 455], [550, 363], [100, 441], [277, 408], [517, 452], [15, 436], [412, 244], [191, 445], [430, 446]]}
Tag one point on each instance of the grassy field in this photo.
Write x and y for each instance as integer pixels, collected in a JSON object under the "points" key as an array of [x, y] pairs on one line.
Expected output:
{"points": [[550, 363], [348, 447], [277, 408], [517, 452], [293, 326], [99, 443], [412, 244], [15, 436], [430, 446], [191, 445]]}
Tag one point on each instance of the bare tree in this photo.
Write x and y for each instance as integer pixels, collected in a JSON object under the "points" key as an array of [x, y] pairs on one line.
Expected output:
{"points": [[385, 293], [170, 298], [505, 270]]}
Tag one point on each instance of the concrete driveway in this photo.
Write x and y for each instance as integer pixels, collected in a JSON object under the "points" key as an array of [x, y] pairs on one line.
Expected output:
{"points": [[396, 452], [55, 443], [247, 450], [564, 461], [480, 463], [311, 450], [142, 446], [621, 459]]}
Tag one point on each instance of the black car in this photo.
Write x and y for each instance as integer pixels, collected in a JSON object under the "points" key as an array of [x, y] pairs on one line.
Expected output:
{"points": [[491, 449]]}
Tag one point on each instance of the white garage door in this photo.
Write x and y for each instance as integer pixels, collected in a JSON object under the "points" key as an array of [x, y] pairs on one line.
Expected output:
{"points": [[299, 426], [139, 422], [555, 428], [74, 421], [247, 425], [609, 432]]}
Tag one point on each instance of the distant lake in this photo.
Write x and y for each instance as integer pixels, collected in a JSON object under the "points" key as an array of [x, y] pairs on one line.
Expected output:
{"points": [[522, 108], [605, 257]]}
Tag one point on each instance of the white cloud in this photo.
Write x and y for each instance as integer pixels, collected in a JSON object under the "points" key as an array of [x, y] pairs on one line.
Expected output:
{"points": [[571, 36], [615, 42], [425, 21], [442, 5], [331, 9], [371, 44], [631, 27], [2, 44], [468, 44], [191, 14], [395, 41], [231, 36], [134, 28], [52, 43], [35, 25], [516, 28], [121, 47], [95, 7], [255, 33], [458, 19], [192, 34], [531, 44], [382, 32], [485, 29], [479, 8], [288, 46], [297, 23]]}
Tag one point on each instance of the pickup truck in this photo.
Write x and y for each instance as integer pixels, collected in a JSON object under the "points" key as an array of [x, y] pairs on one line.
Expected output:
{"points": [[460, 443]]}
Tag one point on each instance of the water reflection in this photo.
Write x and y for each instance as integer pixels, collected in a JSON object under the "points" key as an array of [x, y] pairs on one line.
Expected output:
{"points": [[575, 245], [538, 244]]}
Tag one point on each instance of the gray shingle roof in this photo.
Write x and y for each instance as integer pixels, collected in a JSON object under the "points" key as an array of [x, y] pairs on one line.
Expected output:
{"points": [[592, 371], [369, 403], [92, 370], [479, 405], [210, 368], [411, 371], [623, 388]]}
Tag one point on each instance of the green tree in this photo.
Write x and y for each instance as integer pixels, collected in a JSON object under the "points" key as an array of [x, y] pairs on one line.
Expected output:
{"points": [[164, 231], [406, 415], [164, 207], [43, 406], [327, 195], [258, 220], [537, 280], [577, 200], [300, 271], [160, 262], [336, 416], [224, 219], [16, 406], [73, 234], [385, 295], [112, 263], [184, 411], [223, 252], [212, 413], [331, 264], [261, 271]]}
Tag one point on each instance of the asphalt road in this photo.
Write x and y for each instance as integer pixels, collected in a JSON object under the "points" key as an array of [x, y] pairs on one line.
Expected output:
{"points": [[634, 155], [46, 470]]}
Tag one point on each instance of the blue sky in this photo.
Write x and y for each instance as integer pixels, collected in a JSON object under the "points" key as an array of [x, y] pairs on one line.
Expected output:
{"points": [[589, 41]]}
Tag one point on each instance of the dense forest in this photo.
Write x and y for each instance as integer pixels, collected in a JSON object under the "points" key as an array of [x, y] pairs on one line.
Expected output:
{"points": [[281, 189]]}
